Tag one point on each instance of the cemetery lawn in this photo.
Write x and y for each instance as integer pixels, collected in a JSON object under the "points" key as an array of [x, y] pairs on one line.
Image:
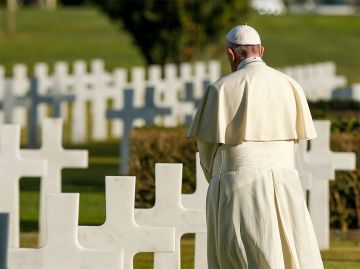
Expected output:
{"points": [[68, 34], [343, 254]]}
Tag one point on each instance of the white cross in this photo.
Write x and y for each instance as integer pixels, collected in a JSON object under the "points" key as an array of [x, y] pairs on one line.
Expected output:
{"points": [[120, 81], [41, 72], [120, 231], [79, 117], [321, 162], [12, 168], [57, 158], [197, 200], [138, 85], [167, 93], [99, 99], [20, 85], [61, 84], [169, 211], [62, 249]]}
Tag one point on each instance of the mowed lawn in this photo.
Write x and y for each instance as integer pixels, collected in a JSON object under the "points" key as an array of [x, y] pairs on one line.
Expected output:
{"points": [[68, 34]]}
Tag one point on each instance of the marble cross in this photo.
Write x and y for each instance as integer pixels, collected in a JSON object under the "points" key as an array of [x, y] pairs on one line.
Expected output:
{"points": [[128, 114], [44, 83], [12, 168], [99, 87], [172, 87], [197, 200], [62, 249], [167, 91], [19, 88], [79, 120], [11, 101], [57, 159], [169, 211], [4, 230], [120, 231], [119, 83], [321, 163], [54, 99]]}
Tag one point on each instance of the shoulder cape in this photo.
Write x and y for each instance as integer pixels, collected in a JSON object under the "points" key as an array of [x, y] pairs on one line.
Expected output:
{"points": [[240, 107]]}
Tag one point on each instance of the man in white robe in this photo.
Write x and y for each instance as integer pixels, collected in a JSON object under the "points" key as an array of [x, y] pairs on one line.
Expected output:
{"points": [[246, 126]]}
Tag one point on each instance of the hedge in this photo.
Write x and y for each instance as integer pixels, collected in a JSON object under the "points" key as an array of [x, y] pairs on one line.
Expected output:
{"points": [[169, 145]]}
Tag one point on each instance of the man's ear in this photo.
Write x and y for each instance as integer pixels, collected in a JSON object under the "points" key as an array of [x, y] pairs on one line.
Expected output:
{"points": [[262, 49], [231, 55]]}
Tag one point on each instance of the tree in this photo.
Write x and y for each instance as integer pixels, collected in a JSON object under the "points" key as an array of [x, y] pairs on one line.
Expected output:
{"points": [[10, 20], [174, 30]]}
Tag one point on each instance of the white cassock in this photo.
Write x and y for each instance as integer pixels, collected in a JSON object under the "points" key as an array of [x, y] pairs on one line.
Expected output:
{"points": [[247, 126]]}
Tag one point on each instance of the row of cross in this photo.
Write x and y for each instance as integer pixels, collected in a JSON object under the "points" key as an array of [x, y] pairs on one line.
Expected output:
{"points": [[174, 90], [128, 114], [99, 87], [127, 230]]}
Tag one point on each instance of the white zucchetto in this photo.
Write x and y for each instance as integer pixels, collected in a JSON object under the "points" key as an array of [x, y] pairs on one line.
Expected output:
{"points": [[243, 35]]}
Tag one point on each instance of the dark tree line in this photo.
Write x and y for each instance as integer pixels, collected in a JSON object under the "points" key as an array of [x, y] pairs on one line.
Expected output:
{"points": [[174, 30]]}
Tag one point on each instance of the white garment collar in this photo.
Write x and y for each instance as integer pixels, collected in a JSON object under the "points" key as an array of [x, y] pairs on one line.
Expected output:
{"points": [[249, 60]]}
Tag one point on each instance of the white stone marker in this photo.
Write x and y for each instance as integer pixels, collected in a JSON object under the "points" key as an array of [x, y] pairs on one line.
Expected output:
{"points": [[12, 168], [41, 72], [197, 200], [57, 158], [318, 80], [120, 231], [62, 250], [120, 82], [169, 89], [80, 90], [99, 99], [138, 85], [62, 82], [169, 211], [321, 162], [20, 85]]}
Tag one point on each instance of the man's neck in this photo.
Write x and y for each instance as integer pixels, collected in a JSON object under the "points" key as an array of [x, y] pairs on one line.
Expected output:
{"points": [[251, 59]]}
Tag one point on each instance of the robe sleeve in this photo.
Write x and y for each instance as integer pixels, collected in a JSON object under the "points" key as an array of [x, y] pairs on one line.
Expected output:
{"points": [[205, 122], [207, 153]]}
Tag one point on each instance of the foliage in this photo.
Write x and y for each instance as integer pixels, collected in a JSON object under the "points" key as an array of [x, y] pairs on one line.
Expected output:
{"points": [[335, 105], [171, 31], [152, 145], [345, 190]]}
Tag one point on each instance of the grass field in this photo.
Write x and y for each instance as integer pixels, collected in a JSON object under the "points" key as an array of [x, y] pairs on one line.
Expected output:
{"points": [[68, 34]]}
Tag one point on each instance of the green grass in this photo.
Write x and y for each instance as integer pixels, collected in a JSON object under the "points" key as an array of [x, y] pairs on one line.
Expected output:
{"points": [[68, 34], [343, 254]]}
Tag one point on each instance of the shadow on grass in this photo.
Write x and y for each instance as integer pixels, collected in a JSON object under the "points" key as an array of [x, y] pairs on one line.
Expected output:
{"points": [[29, 226]]}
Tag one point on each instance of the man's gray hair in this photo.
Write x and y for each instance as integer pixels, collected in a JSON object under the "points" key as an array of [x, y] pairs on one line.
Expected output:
{"points": [[242, 48]]}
